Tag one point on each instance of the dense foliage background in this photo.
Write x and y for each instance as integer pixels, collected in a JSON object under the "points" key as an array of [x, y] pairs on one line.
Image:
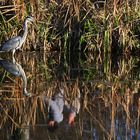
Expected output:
{"points": [[86, 25]]}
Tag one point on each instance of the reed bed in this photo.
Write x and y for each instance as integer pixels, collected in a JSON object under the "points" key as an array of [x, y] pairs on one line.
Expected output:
{"points": [[102, 26], [102, 30]]}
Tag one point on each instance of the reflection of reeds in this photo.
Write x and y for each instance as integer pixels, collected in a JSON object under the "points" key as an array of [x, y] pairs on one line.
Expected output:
{"points": [[106, 98], [103, 114]]}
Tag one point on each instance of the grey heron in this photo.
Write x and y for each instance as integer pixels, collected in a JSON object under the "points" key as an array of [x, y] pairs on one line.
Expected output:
{"points": [[15, 69], [15, 43]]}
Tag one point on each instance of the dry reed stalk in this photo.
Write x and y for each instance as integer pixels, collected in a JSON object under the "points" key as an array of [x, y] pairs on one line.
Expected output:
{"points": [[138, 119], [7, 116], [128, 117], [115, 7], [5, 10], [66, 20], [85, 98], [21, 11], [41, 104], [33, 12], [32, 111], [99, 121], [113, 112], [17, 5], [76, 7], [81, 123], [127, 7], [33, 5], [10, 9]]}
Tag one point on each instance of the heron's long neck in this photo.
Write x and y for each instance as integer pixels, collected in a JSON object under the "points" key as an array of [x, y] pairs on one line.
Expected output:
{"points": [[25, 31]]}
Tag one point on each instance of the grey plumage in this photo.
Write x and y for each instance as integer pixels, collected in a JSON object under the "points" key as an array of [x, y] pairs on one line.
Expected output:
{"points": [[16, 42]]}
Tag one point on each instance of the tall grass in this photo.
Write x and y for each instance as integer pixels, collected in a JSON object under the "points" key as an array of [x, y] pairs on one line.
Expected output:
{"points": [[84, 25], [106, 27]]}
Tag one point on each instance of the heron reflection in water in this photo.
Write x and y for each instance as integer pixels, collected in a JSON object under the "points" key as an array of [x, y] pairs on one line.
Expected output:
{"points": [[14, 68], [15, 43]]}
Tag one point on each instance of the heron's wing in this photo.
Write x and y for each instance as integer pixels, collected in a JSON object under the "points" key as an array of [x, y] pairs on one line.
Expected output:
{"points": [[11, 44]]}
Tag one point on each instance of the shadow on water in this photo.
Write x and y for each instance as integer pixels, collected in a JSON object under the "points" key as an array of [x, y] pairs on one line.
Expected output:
{"points": [[110, 96]]}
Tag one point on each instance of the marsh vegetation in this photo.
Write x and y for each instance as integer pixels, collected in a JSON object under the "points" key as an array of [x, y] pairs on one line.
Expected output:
{"points": [[77, 44], [102, 26]]}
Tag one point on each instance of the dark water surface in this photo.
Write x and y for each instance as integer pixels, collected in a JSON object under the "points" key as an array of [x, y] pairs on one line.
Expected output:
{"points": [[110, 96]]}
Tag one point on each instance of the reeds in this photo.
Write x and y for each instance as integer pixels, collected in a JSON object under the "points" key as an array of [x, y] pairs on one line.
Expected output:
{"points": [[109, 28], [84, 25]]}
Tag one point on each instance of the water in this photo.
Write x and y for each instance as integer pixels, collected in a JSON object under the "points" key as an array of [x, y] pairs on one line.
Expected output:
{"points": [[109, 96]]}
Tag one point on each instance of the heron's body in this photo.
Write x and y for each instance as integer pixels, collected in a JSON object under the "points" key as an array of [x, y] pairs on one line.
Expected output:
{"points": [[16, 70], [15, 43], [12, 44]]}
